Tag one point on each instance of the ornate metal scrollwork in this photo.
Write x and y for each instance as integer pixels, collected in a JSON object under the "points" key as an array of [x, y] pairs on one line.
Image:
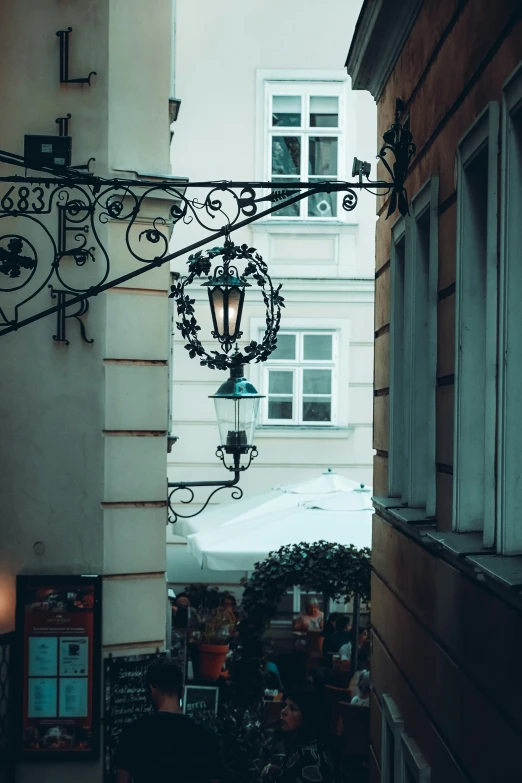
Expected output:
{"points": [[398, 139], [59, 217]]}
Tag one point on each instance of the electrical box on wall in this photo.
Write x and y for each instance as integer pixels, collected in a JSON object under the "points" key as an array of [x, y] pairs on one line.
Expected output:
{"points": [[48, 150]]}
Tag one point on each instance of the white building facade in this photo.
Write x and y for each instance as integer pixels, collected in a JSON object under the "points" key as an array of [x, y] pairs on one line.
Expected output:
{"points": [[84, 426], [265, 97]]}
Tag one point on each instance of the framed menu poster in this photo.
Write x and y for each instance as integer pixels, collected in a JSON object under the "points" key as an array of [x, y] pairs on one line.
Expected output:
{"points": [[58, 631]]}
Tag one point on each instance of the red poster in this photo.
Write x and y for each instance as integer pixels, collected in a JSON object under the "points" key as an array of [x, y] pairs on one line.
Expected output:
{"points": [[58, 629]]}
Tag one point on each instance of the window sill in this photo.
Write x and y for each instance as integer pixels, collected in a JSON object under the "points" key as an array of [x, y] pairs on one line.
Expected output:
{"points": [[301, 431], [331, 225], [464, 551]]}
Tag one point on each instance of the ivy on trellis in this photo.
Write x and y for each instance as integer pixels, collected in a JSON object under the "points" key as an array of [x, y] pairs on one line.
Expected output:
{"points": [[329, 569]]}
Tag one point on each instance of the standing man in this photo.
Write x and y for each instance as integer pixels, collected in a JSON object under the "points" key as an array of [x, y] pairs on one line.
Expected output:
{"points": [[167, 746]]}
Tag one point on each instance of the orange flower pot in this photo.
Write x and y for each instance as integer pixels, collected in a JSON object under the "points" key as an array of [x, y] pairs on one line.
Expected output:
{"points": [[211, 660]]}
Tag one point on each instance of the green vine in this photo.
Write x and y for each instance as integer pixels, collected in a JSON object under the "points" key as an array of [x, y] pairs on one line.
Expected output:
{"points": [[329, 569]]}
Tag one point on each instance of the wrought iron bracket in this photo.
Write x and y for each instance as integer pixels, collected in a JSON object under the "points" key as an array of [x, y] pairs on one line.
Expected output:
{"points": [[62, 315], [63, 35], [236, 468], [32, 257]]}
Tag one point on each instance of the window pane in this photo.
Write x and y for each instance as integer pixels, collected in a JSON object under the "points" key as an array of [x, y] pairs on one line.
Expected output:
{"points": [[317, 346], [280, 382], [322, 156], [324, 111], [286, 110], [293, 209], [285, 347], [286, 155], [280, 408], [317, 381], [322, 205], [319, 409]]}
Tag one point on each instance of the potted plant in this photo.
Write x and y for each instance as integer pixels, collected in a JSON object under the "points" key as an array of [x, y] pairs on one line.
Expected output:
{"points": [[212, 643], [211, 637]]}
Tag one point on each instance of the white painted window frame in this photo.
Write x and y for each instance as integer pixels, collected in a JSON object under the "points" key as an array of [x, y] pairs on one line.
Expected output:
{"points": [[482, 134], [392, 721], [304, 91], [340, 386], [420, 424], [398, 436], [413, 761], [297, 366], [300, 82], [509, 494]]}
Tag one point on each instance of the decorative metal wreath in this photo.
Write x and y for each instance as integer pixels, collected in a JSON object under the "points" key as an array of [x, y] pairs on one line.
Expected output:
{"points": [[200, 264]]}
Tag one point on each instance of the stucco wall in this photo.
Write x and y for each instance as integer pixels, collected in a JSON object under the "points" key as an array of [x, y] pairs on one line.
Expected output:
{"points": [[83, 447]]}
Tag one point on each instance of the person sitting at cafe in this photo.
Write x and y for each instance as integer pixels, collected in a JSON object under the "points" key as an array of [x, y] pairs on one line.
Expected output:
{"points": [[312, 619], [306, 756], [329, 626], [341, 639], [361, 689]]}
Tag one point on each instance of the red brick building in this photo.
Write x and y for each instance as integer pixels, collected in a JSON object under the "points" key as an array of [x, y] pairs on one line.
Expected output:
{"points": [[447, 547]]}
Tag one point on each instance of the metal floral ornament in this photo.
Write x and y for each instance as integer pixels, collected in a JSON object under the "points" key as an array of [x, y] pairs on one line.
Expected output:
{"points": [[226, 289]]}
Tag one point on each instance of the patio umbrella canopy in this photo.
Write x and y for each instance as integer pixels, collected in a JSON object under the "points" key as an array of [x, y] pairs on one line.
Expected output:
{"points": [[329, 508]]}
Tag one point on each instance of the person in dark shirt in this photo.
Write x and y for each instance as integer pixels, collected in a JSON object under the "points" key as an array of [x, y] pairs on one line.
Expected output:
{"points": [[342, 635], [167, 746]]}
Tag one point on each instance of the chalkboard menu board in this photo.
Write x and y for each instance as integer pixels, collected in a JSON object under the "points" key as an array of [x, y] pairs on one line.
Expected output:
{"points": [[125, 701], [200, 701]]}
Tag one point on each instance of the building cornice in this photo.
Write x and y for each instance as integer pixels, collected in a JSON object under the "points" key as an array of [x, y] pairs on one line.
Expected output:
{"points": [[380, 34]]}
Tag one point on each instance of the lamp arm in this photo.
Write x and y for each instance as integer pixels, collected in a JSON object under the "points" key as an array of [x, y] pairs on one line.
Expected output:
{"points": [[237, 494]]}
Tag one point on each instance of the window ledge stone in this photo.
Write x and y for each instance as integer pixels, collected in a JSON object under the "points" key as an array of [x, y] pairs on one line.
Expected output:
{"points": [[502, 574], [506, 570], [301, 431]]}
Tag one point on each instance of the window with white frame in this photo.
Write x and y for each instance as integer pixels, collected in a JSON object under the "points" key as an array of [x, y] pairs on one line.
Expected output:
{"points": [[299, 379], [509, 536], [476, 328], [304, 142]]}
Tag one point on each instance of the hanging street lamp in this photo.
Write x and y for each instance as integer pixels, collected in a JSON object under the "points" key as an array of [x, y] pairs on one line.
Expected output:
{"points": [[237, 408], [237, 400], [226, 295]]}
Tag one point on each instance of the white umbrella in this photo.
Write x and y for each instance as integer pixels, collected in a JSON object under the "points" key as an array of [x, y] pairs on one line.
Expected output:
{"points": [[282, 497], [329, 507], [238, 546]]}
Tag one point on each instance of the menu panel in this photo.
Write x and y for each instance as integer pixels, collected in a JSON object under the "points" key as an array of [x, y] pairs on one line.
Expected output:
{"points": [[58, 629]]}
